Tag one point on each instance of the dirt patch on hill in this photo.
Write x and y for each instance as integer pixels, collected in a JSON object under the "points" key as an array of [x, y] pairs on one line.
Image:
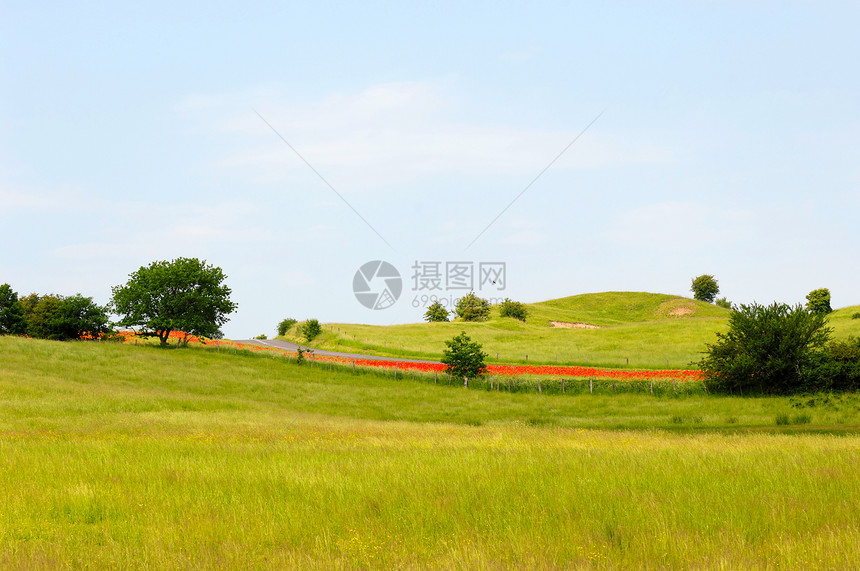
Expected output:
{"points": [[678, 307], [569, 325]]}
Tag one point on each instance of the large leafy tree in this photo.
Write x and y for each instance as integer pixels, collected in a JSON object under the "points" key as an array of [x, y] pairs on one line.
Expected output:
{"points": [[12, 320], [705, 288], [767, 349], [463, 358], [184, 294]]}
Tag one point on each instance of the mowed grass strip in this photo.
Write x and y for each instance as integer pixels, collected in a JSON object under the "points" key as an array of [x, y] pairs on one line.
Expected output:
{"points": [[134, 457]]}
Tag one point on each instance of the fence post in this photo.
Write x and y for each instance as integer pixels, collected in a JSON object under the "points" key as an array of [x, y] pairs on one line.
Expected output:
{"points": [[591, 386], [539, 388], [562, 385], [353, 365], [435, 377], [652, 386], [465, 382]]}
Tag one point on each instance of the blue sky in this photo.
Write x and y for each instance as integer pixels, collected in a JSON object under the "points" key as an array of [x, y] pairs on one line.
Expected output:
{"points": [[728, 145]]}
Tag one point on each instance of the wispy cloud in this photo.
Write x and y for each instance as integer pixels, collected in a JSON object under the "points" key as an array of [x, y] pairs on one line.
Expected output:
{"points": [[394, 133]]}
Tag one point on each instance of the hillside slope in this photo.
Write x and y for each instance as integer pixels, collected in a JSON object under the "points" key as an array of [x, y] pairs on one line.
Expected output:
{"points": [[615, 329]]}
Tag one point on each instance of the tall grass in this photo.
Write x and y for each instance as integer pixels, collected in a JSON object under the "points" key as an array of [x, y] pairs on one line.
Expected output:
{"points": [[137, 457]]}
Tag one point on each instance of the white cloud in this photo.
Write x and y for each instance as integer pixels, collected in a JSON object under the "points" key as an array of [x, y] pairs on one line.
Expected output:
{"points": [[680, 226], [395, 133]]}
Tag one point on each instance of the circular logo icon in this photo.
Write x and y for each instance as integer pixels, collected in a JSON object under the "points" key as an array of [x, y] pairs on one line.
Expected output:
{"points": [[377, 285]]}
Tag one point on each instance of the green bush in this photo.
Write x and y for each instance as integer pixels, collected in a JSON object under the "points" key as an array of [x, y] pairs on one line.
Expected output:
{"points": [[768, 349], [463, 358], [436, 312], [837, 367], [818, 301], [705, 288], [285, 326], [310, 329], [723, 302], [63, 318], [12, 320], [514, 309], [855, 315], [470, 307], [261, 336]]}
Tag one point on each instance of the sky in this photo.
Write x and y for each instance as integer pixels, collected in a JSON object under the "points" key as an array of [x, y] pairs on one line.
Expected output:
{"points": [[552, 148]]}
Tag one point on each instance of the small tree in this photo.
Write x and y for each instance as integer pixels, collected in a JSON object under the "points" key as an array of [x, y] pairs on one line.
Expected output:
{"points": [[436, 312], [818, 301], [12, 320], [463, 358], [310, 329], [470, 307], [705, 288], [768, 349], [514, 309], [723, 302], [285, 326], [184, 294]]}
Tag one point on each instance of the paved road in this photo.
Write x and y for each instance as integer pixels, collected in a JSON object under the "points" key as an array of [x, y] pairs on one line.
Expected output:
{"points": [[287, 346]]}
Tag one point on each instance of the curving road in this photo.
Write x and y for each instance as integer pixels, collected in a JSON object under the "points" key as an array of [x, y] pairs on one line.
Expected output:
{"points": [[287, 346]]}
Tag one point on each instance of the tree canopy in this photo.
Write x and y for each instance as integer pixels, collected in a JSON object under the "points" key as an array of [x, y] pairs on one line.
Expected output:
{"points": [[436, 312], [463, 358], [184, 294], [768, 349], [12, 320], [514, 309], [470, 307], [705, 288], [818, 301]]}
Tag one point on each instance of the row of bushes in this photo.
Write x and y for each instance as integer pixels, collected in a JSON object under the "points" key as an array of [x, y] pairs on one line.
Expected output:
{"points": [[51, 316]]}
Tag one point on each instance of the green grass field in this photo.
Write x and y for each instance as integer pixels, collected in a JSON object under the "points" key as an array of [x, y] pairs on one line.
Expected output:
{"points": [[118, 456], [636, 330]]}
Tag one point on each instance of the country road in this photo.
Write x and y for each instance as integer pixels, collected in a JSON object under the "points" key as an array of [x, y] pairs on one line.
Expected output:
{"points": [[287, 346]]}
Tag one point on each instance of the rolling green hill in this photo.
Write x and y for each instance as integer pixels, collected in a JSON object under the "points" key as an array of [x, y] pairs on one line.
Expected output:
{"points": [[610, 329], [614, 329]]}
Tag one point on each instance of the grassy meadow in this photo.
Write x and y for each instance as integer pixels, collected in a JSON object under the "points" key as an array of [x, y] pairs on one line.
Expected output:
{"points": [[631, 330], [122, 456]]}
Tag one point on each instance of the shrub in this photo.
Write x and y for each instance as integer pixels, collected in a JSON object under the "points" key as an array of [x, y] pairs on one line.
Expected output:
{"points": [[436, 312], [310, 329], [514, 309], [463, 358], [286, 325], [261, 336], [470, 307], [768, 349], [705, 288], [837, 367], [12, 320], [723, 302], [855, 315], [62, 318], [818, 301]]}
